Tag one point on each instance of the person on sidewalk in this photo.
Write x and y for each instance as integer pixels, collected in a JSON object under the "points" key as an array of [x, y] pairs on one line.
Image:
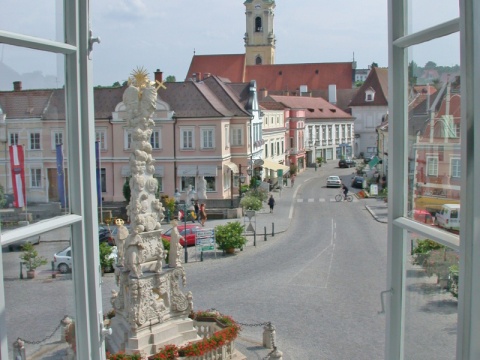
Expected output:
{"points": [[271, 203], [197, 210], [292, 180], [203, 214]]}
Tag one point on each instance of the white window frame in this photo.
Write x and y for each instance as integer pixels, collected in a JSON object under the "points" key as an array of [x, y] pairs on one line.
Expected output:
{"points": [[369, 95], [237, 135], [156, 139], [54, 142], [16, 135], [36, 177], [82, 217], [127, 139], [33, 145], [209, 142], [431, 162], [455, 167], [101, 135], [226, 136], [183, 131], [400, 41]]}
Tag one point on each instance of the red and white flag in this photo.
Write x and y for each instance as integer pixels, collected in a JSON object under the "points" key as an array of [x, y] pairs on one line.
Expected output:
{"points": [[17, 165]]}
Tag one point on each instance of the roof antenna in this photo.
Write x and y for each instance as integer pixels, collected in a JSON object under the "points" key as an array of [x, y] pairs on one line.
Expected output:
{"points": [[193, 51]]}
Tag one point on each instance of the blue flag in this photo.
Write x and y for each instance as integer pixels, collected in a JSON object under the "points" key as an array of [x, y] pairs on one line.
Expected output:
{"points": [[99, 182], [60, 175]]}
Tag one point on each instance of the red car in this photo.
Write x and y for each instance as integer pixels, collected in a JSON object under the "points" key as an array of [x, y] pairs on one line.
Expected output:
{"points": [[189, 234]]}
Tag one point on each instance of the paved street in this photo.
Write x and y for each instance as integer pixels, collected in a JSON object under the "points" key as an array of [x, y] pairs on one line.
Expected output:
{"points": [[318, 280]]}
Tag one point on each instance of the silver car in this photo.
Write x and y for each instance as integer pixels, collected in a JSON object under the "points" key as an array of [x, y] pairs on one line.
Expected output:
{"points": [[334, 181], [63, 260]]}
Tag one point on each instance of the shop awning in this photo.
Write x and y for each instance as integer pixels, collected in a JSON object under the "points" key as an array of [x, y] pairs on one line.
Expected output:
{"points": [[275, 166], [194, 170], [232, 166]]}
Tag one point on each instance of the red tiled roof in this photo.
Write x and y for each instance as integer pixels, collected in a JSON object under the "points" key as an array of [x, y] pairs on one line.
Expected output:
{"points": [[317, 108], [292, 76], [316, 76], [25, 104], [227, 66], [377, 80]]}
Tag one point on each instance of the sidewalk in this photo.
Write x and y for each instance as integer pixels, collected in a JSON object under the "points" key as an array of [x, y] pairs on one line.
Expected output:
{"points": [[378, 208]]}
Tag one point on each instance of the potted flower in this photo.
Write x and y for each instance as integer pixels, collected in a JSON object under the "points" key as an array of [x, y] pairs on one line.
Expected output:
{"points": [[230, 236], [31, 259]]}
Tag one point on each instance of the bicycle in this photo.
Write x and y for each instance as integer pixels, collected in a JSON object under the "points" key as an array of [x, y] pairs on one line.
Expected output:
{"points": [[340, 197]]}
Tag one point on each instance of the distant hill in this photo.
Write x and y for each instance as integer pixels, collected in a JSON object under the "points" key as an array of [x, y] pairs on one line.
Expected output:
{"points": [[32, 80]]}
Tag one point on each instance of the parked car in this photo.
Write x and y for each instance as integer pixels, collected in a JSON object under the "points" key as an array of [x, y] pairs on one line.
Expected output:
{"points": [[357, 182], [62, 260], [347, 163], [334, 181], [189, 232], [422, 216], [106, 234]]}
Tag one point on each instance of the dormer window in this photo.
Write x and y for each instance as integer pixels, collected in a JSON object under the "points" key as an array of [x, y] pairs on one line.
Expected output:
{"points": [[369, 95], [258, 24]]}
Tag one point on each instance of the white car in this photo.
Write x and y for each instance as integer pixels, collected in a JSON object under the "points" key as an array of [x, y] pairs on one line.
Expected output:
{"points": [[334, 181], [63, 259]]}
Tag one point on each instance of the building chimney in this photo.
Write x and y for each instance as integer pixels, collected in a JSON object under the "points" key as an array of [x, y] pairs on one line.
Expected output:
{"points": [[158, 76], [332, 94], [207, 75], [17, 86]]}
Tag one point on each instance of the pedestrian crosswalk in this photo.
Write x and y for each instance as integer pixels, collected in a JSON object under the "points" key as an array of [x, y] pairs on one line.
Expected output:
{"points": [[322, 200]]}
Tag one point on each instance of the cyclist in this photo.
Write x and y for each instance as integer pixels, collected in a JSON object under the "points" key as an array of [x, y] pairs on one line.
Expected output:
{"points": [[345, 191]]}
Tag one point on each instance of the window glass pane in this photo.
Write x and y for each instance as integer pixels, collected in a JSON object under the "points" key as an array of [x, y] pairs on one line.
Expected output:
{"points": [[34, 156], [36, 18], [45, 299], [434, 122], [427, 13], [431, 300]]}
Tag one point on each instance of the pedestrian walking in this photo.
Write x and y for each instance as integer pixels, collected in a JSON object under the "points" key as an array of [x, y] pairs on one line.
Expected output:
{"points": [[271, 203], [203, 214], [197, 210], [292, 180]]}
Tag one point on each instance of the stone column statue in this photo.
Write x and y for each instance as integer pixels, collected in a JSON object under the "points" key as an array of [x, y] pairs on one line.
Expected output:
{"points": [[175, 246], [202, 187], [122, 234]]}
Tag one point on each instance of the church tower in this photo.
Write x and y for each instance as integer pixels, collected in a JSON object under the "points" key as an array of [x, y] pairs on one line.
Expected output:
{"points": [[259, 37]]}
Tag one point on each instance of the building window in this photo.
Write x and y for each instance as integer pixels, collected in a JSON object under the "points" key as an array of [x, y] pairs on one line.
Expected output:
{"points": [[258, 24], [272, 149], [155, 139], [227, 136], [455, 168], [208, 138], [211, 183], [160, 183], [34, 141], [186, 182], [187, 141], [13, 139], [278, 148], [101, 136], [127, 139], [283, 147], [432, 166], [36, 178], [369, 95], [57, 139], [103, 179], [258, 60], [237, 136], [266, 150], [278, 119]]}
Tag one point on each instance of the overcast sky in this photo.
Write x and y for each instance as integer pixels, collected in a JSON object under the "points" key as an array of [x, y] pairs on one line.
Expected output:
{"points": [[164, 34]]}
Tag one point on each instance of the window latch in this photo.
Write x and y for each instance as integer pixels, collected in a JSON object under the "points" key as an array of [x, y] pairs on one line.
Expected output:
{"points": [[382, 301]]}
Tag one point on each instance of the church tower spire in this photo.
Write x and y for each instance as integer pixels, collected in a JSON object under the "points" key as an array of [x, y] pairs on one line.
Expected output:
{"points": [[259, 36]]}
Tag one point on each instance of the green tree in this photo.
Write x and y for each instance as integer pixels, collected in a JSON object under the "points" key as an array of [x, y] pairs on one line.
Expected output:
{"points": [[3, 200], [374, 64], [430, 65], [412, 69], [170, 78]]}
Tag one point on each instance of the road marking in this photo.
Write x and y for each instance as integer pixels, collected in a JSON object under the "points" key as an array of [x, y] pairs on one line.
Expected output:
{"points": [[290, 214], [310, 200], [299, 200], [321, 200]]}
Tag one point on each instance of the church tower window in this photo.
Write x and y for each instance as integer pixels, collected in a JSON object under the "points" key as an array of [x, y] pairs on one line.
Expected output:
{"points": [[258, 24], [258, 60]]}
